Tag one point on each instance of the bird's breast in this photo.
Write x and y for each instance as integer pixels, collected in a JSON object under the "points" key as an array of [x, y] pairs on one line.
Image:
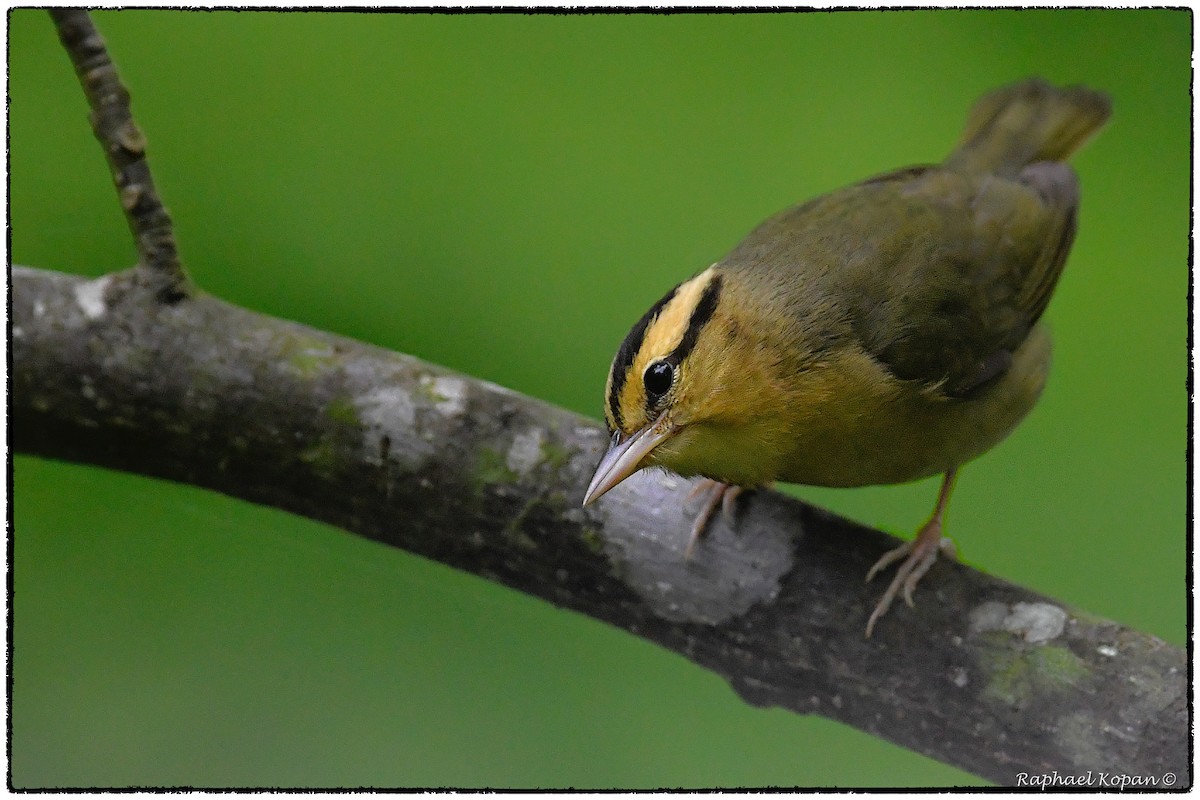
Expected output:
{"points": [[849, 422], [869, 427]]}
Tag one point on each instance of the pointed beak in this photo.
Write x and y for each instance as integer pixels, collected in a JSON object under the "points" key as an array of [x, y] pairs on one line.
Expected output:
{"points": [[625, 457]]}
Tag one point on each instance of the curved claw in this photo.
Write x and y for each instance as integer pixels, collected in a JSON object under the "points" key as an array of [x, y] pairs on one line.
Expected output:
{"points": [[888, 558], [918, 555], [722, 494], [921, 554]]}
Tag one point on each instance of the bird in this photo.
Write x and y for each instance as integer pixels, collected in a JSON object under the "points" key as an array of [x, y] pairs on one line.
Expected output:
{"points": [[879, 334]]}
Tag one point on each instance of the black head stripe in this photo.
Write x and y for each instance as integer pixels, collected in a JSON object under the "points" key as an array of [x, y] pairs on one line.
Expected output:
{"points": [[628, 350], [701, 314]]}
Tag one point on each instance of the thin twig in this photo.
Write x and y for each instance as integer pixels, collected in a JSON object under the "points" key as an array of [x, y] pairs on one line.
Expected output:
{"points": [[125, 148]]}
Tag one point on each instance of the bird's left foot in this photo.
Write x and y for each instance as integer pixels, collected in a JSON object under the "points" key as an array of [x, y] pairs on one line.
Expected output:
{"points": [[921, 552], [719, 494]]}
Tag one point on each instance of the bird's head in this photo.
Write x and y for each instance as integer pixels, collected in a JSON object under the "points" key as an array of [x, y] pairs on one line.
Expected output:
{"points": [[675, 394]]}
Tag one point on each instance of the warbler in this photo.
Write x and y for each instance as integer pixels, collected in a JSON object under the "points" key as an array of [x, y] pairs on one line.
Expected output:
{"points": [[885, 332]]}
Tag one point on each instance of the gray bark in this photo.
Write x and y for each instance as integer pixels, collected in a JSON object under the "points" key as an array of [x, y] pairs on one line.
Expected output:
{"points": [[983, 674]]}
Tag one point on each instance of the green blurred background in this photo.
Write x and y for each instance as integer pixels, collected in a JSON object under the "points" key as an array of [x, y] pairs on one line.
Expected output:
{"points": [[505, 195]]}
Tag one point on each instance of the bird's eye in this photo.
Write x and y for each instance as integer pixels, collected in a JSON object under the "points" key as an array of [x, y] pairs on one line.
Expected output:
{"points": [[658, 379]]}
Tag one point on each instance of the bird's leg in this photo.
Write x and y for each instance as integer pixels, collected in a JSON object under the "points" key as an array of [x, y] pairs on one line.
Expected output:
{"points": [[921, 552], [722, 494]]}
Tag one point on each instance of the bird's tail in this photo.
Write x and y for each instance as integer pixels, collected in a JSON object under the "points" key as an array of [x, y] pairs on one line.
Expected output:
{"points": [[1014, 126]]}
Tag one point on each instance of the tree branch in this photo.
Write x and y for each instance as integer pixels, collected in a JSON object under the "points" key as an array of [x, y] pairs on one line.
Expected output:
{"points": [[124, 147], [984, 675]]}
